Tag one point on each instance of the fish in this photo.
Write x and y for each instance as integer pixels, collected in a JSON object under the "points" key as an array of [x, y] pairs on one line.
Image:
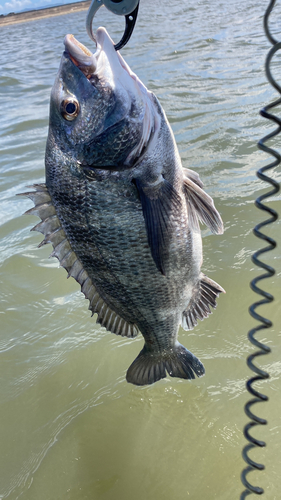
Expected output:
{"points": [[121, 212]]}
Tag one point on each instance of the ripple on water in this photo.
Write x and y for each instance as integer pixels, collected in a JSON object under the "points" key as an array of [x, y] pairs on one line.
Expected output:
{"points": [[71, 427]]}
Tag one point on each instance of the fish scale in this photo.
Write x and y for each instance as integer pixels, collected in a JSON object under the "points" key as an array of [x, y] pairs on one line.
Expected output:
{"points": [[101, 232]]}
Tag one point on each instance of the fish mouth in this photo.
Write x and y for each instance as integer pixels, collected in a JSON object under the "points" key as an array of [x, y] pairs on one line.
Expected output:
{"points": [[82, 57], [105, 62]]}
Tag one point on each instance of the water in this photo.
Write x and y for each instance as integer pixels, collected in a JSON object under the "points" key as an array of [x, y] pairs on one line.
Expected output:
{"points": [[71, 427]]}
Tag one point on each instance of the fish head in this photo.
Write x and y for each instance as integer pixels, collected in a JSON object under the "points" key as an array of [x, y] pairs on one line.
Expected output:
{"points": [[101, 115]]}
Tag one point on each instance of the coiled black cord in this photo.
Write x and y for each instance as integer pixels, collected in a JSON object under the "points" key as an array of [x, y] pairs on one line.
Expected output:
{"points": [[267, 297]]}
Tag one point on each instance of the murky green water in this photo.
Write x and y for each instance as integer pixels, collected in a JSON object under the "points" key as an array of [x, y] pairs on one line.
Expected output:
{"points": [[71, 427]]}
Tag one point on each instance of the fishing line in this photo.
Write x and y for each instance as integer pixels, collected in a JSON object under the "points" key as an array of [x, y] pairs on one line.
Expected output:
{"points": [[267, 297]]}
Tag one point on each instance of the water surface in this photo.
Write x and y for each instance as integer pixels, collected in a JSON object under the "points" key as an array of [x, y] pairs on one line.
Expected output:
{"points": [[71, 426]]}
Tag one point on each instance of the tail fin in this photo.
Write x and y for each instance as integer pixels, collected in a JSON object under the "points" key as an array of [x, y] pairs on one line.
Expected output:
{"points": [[149, 366]]}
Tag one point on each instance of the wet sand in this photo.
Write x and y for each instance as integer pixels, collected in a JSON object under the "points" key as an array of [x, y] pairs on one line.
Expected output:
{"points": [[33, 15]]}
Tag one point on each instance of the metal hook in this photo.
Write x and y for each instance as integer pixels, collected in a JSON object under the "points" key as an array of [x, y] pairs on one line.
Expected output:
{"points": [[127, 8]]}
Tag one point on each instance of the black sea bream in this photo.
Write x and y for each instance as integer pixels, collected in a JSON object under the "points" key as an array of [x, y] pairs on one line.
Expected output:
{"points": [[121, 211]]}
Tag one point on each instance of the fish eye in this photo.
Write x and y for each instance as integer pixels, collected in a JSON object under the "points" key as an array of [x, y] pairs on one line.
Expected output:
{"points": [[69, 109]]}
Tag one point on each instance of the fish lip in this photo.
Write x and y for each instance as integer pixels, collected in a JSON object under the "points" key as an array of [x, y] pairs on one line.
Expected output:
{"points": [[93, 64], [81, 56]]}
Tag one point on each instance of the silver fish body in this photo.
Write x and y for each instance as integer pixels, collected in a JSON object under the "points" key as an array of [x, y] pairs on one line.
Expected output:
{"points": [[121, 212]]}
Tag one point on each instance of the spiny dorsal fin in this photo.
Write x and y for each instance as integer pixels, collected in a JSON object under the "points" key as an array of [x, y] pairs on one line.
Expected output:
{"points": [[200, 205], [204, 296], [53, 233]]}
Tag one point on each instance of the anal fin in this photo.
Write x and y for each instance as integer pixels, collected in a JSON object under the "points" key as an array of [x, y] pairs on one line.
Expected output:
{"points": [[204, 296]]}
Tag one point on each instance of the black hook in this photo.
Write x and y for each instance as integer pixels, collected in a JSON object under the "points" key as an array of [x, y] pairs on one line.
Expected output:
{"points": [[130, 24], [127, 8]]}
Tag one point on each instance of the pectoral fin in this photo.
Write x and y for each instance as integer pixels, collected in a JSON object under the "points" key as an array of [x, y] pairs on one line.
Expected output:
{"points": [[158, 203], [204, 296], [201, 206]]}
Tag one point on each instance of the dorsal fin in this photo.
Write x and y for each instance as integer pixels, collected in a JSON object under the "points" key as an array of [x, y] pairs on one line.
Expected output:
{"points": [[204, 296], [53, 233], [193, 176], [200, 205]]}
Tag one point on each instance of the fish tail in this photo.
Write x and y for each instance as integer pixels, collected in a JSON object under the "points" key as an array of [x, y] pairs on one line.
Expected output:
{"points": [[149, 366]]}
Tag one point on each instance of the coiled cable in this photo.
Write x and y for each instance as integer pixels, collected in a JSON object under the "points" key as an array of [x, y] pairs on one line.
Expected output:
{"points": [[267, 297]]}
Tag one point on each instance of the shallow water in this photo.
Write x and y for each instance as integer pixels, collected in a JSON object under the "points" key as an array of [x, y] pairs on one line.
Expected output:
{"points": [[71, 426]]}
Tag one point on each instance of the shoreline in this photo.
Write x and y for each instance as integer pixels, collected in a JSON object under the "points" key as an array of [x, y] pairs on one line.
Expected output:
{"points": [[33, 15]]}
